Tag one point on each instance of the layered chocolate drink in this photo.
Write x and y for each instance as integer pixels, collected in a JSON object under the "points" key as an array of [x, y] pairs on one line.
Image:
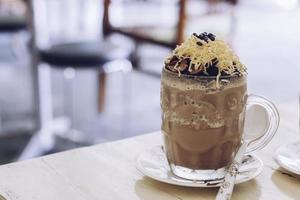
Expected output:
{"points": [[203, 96]]}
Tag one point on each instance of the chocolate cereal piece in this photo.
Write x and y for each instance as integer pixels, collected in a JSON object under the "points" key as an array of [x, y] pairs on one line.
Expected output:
{"points": [[183, 65], [211, 36], [173, 62], [195, 71]]}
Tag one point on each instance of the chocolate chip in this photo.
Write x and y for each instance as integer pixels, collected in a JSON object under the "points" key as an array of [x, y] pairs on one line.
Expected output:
{"points": [[214, 61], [201, 37], [199, 43], [206, 38], [203, 34], [211, 36]]}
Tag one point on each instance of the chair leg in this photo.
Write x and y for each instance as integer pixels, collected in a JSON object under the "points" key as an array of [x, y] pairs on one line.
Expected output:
{"points": [[18, 46], [0, 117], [135, 57], [43, 140], [101, 90], [126, 93]]}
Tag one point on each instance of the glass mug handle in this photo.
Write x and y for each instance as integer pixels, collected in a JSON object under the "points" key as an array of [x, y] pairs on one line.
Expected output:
{"points": [[272, 117]]}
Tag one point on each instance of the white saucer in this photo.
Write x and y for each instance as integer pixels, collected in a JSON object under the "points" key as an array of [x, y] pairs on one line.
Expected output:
{"points": [[288, 157], [153, 163]]}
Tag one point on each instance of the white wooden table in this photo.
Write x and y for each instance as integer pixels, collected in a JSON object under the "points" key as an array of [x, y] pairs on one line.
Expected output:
{"points": [[107, 171]]}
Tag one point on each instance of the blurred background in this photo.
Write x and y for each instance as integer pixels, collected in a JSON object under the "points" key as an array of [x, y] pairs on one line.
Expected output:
{"points": [[81, 72]]}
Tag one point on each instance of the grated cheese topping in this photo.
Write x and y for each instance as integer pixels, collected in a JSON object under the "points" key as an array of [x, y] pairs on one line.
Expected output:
{"points": [[201, 53]]}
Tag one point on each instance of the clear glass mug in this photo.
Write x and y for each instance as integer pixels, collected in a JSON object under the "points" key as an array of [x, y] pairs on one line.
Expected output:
{"points": [[203, 123]]}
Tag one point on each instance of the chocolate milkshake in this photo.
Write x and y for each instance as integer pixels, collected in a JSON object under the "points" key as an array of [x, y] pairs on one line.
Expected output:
{"points": [[203, 96]]}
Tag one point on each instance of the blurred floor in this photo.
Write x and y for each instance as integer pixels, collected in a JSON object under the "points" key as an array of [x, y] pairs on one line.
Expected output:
{"points": [[267, 41]]}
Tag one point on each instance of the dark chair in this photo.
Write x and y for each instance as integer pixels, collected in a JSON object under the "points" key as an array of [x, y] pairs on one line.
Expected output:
{"points": [[82, 55], [11, 24], [77, 55]]}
